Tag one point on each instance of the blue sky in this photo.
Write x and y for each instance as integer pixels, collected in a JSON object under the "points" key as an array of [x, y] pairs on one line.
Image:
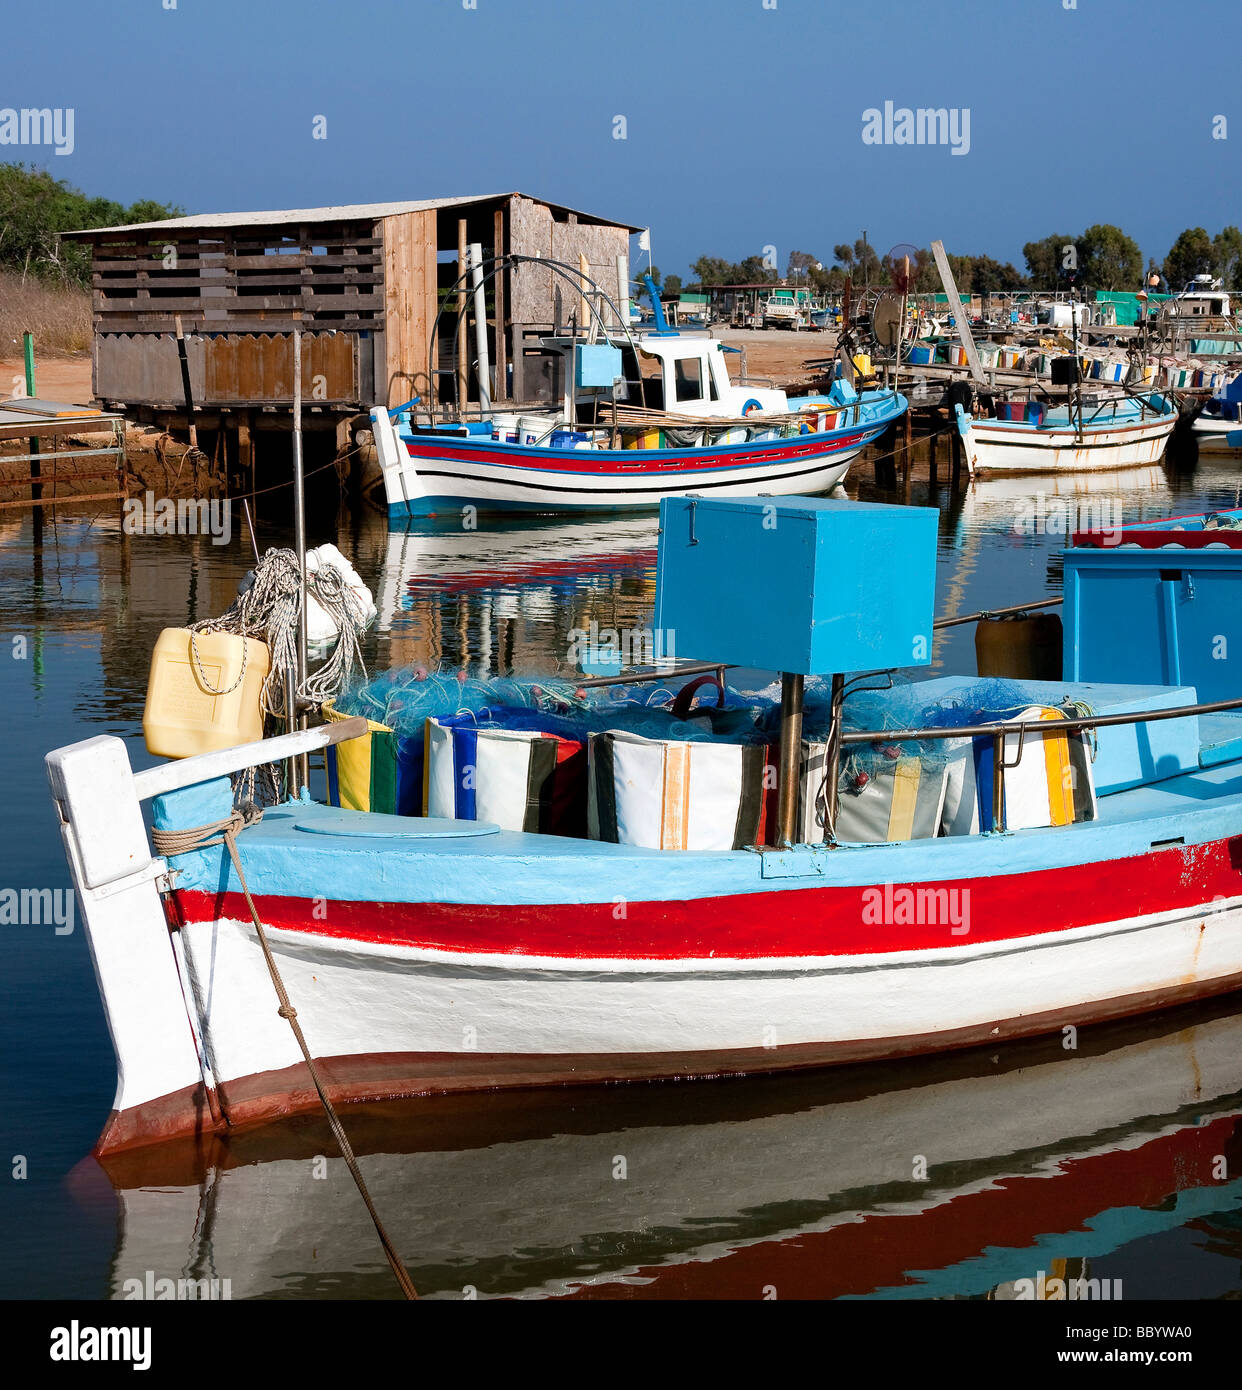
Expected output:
{"points": [[743, 122]]}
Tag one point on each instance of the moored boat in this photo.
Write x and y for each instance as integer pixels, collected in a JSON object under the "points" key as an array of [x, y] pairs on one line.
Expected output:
{"points": [[621, 438], [1218, 426], [958, 870], [1109, 432]]}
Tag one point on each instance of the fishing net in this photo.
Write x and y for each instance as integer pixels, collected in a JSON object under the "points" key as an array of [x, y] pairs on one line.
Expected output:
{"points": [[406, 698]]}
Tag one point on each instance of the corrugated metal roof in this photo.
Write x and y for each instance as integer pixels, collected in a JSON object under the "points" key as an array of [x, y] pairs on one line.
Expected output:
{"points": [[348, 212]]}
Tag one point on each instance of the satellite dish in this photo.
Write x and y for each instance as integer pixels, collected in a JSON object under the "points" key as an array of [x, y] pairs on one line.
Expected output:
{"points": [[902, 264], [886, 325]]}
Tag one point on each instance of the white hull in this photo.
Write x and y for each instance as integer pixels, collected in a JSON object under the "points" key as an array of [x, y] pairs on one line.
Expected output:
{"points": [[994, 447], [555, 1017], [1212, 436], [503, 487]]}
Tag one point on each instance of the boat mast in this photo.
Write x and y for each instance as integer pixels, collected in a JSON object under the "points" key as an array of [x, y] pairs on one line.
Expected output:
{"points": [[295, 718], [1076, 385]]}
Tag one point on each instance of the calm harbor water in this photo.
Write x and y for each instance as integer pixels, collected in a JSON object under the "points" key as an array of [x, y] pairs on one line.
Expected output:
{"points": [[1119, 1161]]}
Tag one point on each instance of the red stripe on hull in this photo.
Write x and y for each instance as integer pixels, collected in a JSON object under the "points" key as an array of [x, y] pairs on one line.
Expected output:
{"points": [[631, 462], [756, 926]]}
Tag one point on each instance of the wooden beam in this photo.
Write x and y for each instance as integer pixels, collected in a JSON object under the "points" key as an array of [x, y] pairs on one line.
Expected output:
{"points": [[498, 294], [463, 374], [961, 321]]}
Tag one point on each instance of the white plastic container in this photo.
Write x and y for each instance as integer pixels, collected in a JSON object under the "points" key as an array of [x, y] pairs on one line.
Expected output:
{"points": [[204, 692], [535, 430], [505, 428]]}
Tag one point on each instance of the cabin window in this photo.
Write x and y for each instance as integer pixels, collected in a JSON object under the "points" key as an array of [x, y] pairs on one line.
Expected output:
{"points": [[689, 379]]}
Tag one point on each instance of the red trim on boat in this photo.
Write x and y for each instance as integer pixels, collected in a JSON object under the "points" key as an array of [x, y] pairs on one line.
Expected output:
{"points": [[628, 462], [819, 921]]}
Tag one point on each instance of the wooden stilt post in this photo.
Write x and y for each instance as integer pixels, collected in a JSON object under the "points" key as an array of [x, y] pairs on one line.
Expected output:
{"points": [[463, 382], [885, 462], [498, 293], [791, 758], [955, 441], [907, 457], [931, 456], [245, 454]]}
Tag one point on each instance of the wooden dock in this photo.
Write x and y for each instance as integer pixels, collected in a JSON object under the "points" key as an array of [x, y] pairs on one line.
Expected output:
{"points": [[36, 422]]}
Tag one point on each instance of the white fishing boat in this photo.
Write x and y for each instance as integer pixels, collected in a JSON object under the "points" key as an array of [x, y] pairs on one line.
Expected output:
{"points": [[675, 911], [1217, 429], [1109, 432], [644, 417]]}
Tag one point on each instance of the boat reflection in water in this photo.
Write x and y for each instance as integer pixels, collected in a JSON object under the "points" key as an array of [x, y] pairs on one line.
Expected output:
{"points": [[501, 595], [956, 1177]]}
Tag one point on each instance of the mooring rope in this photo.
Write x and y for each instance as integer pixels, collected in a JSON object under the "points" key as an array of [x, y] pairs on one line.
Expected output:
{"points": [[173, 842], [270, 608]]}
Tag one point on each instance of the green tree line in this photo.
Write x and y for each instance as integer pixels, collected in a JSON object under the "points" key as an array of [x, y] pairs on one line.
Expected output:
{"points": [[1102, 257], [35, 208]]}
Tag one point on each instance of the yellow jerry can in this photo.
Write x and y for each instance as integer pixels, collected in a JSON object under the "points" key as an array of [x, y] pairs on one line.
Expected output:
{"points": [[204, 692]]}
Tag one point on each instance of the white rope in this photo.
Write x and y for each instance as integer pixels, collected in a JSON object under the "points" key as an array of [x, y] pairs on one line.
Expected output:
{"points": [[270, 609]]}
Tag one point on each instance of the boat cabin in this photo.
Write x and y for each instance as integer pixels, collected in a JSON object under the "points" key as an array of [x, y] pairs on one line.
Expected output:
{"points": [[1204, 297], [683, 374]]}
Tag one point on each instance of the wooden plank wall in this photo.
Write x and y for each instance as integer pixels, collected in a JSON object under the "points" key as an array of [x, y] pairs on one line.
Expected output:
{"points": [[241, 280], [533, 231], [230, 370], [409, 250]]}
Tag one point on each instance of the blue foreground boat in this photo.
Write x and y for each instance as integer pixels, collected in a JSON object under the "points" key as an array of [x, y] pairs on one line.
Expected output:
{"points": [[871, 868]]}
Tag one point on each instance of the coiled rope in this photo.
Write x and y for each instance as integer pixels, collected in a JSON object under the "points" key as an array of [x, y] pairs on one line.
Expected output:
{"points": [[271, 609], [169, 843]]}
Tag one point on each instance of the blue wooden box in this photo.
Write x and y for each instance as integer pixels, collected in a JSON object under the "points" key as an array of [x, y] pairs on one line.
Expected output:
{"points": [[800, 584], [1164, 615]]}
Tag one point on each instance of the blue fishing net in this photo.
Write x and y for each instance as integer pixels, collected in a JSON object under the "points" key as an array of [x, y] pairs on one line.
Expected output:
{"points": [[406, 698], [904, 704]]}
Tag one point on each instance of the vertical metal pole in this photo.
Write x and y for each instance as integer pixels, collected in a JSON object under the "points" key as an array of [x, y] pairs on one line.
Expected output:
{"points": [[1077, 370], [623, 290], [298, 720], [998, 782], [463, 371], [791, 758], [185, 381], [834, 754], [36, 464]]}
